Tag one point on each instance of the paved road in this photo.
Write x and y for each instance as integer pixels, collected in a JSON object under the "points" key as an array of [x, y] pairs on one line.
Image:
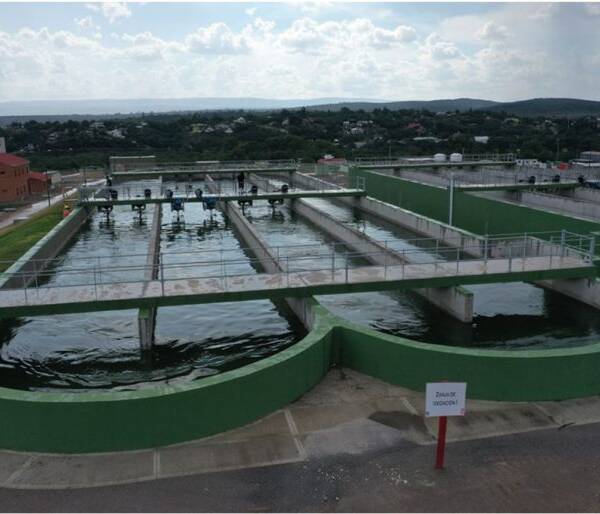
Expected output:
{"points": [[7, 219], [546, 471]]}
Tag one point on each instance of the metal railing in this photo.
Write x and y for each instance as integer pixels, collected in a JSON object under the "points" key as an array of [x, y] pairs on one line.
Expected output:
{"points": [[271, 185], [521, 176], [214, 165], [466, 159], [393, 258], [188, 189]]}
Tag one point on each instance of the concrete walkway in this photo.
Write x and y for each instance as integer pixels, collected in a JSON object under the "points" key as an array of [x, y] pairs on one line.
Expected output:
{"points": [[347, 416], [106, 296], [23, 213], [544, 471]]}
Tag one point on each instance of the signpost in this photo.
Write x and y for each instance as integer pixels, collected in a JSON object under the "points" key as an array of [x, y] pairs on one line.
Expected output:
{"points": [[443, 399]]}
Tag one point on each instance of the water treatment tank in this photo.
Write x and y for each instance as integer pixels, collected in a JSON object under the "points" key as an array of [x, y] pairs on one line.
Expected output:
{"points": [[439, 157], [456, 157]]}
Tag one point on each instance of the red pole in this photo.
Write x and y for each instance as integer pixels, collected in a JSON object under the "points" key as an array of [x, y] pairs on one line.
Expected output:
{"points": [[441, 443]]}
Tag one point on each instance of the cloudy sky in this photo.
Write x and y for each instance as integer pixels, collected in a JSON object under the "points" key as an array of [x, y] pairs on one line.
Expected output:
{"points": [[392, 51]]}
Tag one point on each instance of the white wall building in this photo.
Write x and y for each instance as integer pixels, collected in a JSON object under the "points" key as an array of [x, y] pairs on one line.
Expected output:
{"points": [[530, 163]]}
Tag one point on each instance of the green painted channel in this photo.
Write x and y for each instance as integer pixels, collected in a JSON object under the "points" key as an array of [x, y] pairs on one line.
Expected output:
{"points": [[162, 415], [168, 414], [472, 213]]}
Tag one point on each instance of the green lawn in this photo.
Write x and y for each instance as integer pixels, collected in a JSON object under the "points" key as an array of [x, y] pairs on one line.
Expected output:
{"points": [[16, 240]]}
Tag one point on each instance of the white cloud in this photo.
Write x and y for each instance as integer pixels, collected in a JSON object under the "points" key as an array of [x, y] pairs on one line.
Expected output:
{"points": [[251, 11], [499, 54], [491, 31], [308, 35], [146, 46], [112, 11], [311, 7], [61, 39], [85, 23], [217, 38], [593, 9], [437, 49]]}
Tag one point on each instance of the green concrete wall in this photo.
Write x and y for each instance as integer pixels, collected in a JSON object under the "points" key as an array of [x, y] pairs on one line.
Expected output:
{"points": [[472, 213], [109, 421], [512, 375], [161, 415]]}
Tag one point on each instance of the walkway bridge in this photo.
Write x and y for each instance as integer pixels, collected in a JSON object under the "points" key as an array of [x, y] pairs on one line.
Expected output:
{"points": [[135, 196], [495, 180], [212, 276], [399, 164], [197, 169]]}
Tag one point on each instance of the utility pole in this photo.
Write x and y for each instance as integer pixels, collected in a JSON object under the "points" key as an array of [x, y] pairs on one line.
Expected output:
{"points": [[47, 187], [451, 199]]}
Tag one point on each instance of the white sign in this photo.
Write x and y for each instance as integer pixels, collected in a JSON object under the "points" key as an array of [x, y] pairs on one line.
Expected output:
{"points": [[445, 399]]}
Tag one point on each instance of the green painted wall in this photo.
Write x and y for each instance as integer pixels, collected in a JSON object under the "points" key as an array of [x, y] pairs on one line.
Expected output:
{"points": [[109, 421], [490, 374], [472, 213]]}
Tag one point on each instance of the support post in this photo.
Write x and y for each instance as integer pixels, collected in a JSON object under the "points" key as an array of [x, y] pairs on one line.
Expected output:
{"points": [[154, 266], [95, 284], [346, 266], [457, 258], [485, 252], [441, 442], [162, 275], [451, 200], [332, 265], [24, 287]]}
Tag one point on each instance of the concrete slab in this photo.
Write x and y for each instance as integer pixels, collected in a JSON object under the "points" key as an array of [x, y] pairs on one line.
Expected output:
{"points": [[411, 427], [348, 386], [324, 417], [275, 424], [209, 456], [69, 471], [355, 437], [10, 465], [492, 423], [579, 411], [346, 414]]}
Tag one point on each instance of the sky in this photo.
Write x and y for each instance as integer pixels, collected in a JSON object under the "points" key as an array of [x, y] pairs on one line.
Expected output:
{"points": [[299, 50]]}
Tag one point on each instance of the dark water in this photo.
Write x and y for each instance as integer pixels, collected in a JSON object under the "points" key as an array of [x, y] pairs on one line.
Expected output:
{"points": [[220, 336], [79, 352], [506, 316], [88, 350]]}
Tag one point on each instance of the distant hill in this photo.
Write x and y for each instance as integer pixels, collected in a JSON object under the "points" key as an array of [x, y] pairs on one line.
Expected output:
{"points": [[545, 107], [146, 105], [550, 107], [63, 110], [456, 104]]}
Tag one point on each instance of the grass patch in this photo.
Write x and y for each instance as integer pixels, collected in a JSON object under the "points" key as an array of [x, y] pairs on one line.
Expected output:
{"points": [[16, 240]]}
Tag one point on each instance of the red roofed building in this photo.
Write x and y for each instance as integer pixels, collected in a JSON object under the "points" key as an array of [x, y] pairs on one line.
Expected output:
{"points": [[14, 175], [39, 183]]}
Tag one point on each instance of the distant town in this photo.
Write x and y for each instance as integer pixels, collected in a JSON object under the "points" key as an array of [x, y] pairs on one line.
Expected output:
{"points": [[302, 134]]}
